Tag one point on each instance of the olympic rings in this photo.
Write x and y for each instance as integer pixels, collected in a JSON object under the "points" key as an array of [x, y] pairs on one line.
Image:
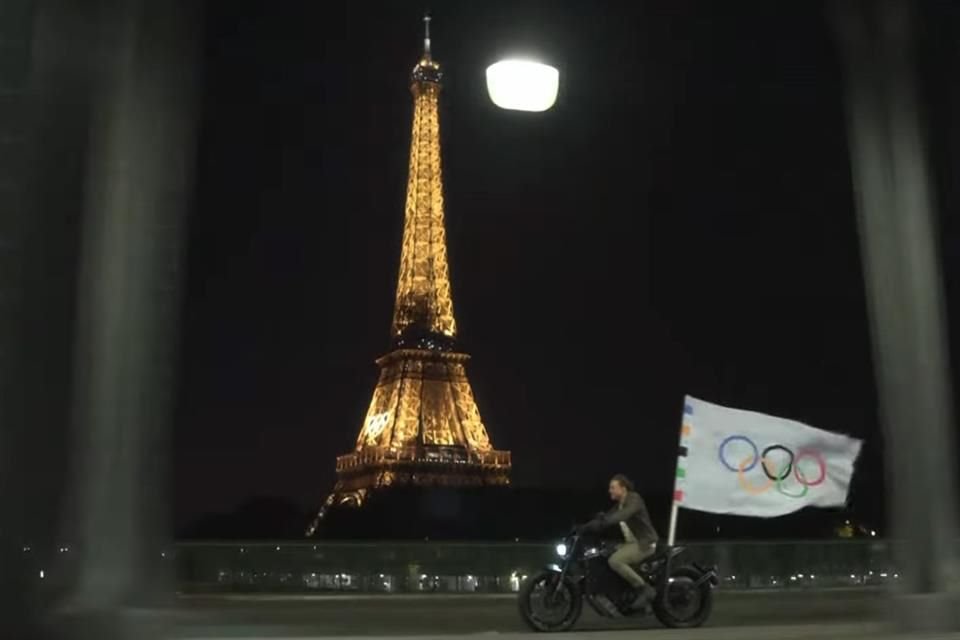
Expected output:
{"points": [[789, 468], [728, 440], [753, 490], [803, 491], [775, 477]]}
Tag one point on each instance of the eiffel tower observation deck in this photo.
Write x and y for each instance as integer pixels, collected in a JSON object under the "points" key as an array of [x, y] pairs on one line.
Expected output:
{"points": [[422, 427]]}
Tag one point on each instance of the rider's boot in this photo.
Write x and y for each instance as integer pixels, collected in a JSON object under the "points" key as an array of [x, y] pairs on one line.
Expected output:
{"points": [[645, 595]]}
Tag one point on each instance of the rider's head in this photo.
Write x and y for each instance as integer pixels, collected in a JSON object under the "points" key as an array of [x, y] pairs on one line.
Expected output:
{"points": [[620, 485]]}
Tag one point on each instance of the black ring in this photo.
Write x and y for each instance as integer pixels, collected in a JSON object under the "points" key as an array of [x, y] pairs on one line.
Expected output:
{"points": [[777, 447]]}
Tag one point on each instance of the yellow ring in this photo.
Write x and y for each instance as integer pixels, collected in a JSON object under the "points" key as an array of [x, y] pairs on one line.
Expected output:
{"points": [[752, 489]]}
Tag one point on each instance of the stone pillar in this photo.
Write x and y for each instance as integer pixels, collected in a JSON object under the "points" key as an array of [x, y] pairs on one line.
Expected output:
{"points": [[895, 204], [137, 183], [23, 501]]}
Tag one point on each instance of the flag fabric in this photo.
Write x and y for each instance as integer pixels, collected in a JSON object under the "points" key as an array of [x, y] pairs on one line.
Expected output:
{"points": [[751, 464]]}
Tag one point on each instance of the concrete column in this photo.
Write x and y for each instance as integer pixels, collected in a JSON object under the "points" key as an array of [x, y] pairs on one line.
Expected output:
{"points": [[141, 148], [22, 498], [895, 204]]}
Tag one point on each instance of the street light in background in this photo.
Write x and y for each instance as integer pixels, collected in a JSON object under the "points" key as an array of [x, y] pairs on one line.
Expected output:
{"points": [[523, 85]]}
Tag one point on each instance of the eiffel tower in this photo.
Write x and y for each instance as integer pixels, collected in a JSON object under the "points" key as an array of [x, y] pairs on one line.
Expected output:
{"points": [[423, 427]]}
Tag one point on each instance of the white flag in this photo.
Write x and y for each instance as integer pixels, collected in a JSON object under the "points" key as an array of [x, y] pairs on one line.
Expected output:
{"points": [[751, 464]]}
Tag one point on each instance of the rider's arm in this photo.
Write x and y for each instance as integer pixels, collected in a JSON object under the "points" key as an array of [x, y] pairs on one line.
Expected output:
{"points": [[631, 507]]}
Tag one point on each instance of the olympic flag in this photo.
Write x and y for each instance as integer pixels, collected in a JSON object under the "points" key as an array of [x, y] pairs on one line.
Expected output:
{"points": [[751, 464]]}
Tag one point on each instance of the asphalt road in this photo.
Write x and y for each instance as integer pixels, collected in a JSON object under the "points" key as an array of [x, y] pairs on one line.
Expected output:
{"points": [[311, 616]]}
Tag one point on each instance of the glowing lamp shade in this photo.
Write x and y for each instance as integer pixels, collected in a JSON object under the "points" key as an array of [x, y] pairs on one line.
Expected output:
{"points": [[522, 85]]}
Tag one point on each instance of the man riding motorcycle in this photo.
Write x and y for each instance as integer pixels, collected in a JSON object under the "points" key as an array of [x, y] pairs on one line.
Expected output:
{"points": [[630, 516]]}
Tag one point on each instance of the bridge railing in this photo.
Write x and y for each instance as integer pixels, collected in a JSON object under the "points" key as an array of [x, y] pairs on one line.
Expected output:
{"points": [[500, 568]]}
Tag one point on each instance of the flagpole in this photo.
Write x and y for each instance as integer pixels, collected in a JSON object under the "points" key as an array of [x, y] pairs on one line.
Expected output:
{"points": [[674, 510], [675, 506]]}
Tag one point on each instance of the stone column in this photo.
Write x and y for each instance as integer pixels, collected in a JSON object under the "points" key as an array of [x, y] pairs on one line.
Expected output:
{"points": [[23, 498], [895, 203], [138, 181]]}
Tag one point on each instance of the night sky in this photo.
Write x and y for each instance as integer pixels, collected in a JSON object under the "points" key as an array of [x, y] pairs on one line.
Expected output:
{"points": [[681, 222]]}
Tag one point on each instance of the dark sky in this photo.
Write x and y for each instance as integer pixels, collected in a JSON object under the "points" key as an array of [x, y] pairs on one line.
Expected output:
{"points": [[681, 222]]}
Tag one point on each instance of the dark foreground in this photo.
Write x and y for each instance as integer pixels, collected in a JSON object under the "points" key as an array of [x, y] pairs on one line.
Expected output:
{"points": [[311, 616]]}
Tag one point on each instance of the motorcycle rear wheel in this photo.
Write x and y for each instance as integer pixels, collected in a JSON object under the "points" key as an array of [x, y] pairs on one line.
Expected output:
{"points": [[696, 601], [567, 605]]}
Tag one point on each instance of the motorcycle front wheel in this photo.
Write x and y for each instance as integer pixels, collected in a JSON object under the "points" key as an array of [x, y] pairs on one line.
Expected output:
{"points": [[548, 603], [683, 604]]}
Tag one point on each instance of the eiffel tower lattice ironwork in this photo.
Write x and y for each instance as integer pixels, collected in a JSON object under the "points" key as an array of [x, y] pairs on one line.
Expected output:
{"points": [[423, 427]]}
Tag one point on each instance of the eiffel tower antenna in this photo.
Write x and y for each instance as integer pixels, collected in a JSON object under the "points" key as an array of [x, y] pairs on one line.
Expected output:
{"points": [[426, 34]]}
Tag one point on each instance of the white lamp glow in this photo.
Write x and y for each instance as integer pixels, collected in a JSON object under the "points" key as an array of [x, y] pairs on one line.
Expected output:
{"points": [[522, 85]]}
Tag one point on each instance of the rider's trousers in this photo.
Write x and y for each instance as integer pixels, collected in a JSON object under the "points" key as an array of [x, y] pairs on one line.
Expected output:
{"points": [[627, 554]]}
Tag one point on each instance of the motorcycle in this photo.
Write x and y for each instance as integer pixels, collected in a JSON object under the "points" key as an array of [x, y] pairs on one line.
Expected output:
{"points": [[553, 599]]}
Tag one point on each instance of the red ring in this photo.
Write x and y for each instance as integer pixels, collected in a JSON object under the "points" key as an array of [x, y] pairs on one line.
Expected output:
{"points": [[816, 455]]}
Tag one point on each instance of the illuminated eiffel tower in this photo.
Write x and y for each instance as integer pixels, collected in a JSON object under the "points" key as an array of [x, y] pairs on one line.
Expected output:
{"points": [[423, 427]]}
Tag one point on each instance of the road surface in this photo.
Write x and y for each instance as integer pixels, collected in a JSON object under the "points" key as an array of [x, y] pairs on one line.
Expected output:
{"points": [[780, 615]]}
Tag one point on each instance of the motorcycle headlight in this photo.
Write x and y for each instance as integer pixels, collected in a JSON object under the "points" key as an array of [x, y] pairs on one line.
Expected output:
{"points": [[562, 550]]}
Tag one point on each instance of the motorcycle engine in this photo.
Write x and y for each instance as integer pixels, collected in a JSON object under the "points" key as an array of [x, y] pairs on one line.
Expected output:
{"points": [[601, 579]]}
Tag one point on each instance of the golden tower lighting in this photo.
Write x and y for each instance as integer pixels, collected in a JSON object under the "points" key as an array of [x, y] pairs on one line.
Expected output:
{"points": [[422, 427]]}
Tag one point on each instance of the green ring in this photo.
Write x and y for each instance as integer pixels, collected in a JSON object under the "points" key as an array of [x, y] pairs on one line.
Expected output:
{"points": [[803, 492]]}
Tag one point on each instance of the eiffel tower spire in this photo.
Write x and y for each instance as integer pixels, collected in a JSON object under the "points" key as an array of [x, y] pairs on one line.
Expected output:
{"points": [[423, 313], [426, 35], [422, 427]]}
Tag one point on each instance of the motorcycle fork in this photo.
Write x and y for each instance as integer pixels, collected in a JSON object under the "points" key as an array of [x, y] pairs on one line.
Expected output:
{"points": [[559, 577]]}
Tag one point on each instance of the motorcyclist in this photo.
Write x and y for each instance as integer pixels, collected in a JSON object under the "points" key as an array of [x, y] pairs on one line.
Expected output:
{"points": [[630, 516]]}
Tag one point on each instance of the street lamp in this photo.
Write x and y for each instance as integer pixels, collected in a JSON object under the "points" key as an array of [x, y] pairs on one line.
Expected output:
{"points": [[523, 85]]}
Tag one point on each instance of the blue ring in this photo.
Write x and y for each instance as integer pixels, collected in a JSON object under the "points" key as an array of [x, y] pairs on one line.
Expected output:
{"points": [[728, 440]]}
